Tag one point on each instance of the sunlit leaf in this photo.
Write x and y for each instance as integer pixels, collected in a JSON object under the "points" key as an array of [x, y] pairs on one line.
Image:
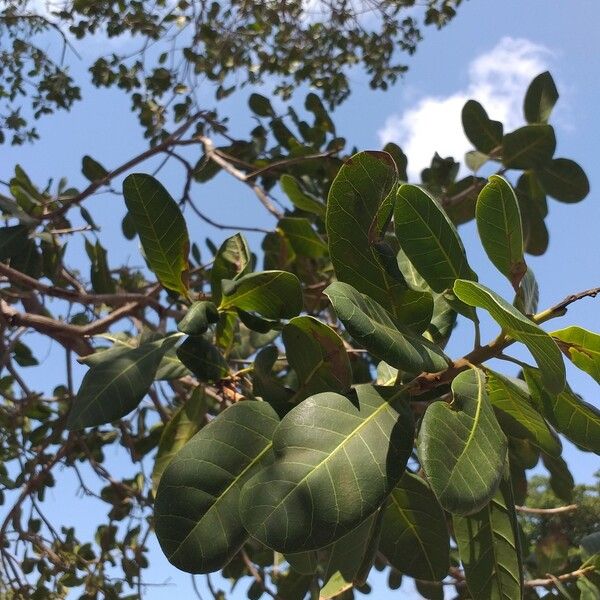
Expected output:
{"points": [[582, 347]]}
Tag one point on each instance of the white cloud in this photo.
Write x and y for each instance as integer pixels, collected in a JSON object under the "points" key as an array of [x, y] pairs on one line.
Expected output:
{"points": [[498, 79]]}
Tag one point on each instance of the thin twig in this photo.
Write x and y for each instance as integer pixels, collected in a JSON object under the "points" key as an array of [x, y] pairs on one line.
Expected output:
{"points": [[547, 511]]}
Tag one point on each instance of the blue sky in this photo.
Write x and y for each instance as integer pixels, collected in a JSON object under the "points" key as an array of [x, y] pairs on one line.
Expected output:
{"points": [[487, 52]]}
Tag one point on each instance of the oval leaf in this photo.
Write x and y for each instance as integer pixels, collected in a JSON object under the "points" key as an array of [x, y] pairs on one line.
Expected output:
{"points": [[540, 344], [582, 347], [528, 147], [414, 534], [161, 227], [481, 131], [232, 260], [196, 511], [299, 198], [500, 228], [461, 446], [540, 98], [302, 237], [370, 325], [198, 317], [336, 460], [203, 359]]}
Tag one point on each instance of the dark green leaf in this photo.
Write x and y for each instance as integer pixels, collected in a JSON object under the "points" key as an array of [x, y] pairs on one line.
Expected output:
{"points": [[528, 147], [564, 180], [232, 260], [534, 208], [266, 386], [13, 240], [540, 344], [196, 511], [272, 294], [114, 387], [540, 98], [198, 317], [399, 158], [260, 105], [528, 295], [484, 133], [414, 535], [561, 480], [500, 229], [92, 169], [582, 347], [102, 281], [461, 446], [161, 227], [370, 325], [303, 238], [203, 359], [333, 468]]}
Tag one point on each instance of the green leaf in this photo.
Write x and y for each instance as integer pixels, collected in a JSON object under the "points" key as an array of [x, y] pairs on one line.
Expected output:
{"points": [[114, 387], [102, 281], [414, 534], [564, 180], [534, 208], [299, 198], [272, 294], [371, 326], [484, 133], [317, 355], [500, 229], [260, 105], [429, 239], [92, 169], [185, 423], [461, 446], [232, 260], [528, 295], [203, 359], [303, 238], [198, 317], [359, 209], [540, 98], [516, 415], [13, 240], [528, 147], [561, 480], [488, 544], [400, 159], [540, 344], [196, 510], [161, 227], [576, 419], [336, 460], [582, 347]]}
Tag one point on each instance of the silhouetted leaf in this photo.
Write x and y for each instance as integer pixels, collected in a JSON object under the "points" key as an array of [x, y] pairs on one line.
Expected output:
{"points": [[484, 133], [564, 180], [203, 359], [540, 98], [528, 147]]}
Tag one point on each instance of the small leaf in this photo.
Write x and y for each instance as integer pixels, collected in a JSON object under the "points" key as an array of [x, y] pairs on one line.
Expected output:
{"points": [[185, 423], [540, 98], [299, 198], [528, 147], [582, 347], [461, 446], [317, 355], [500, 229], [564, 180], [303, 238], [528, 295], [232, 260], [196, 510], [272, 294], [516, 415], [540, 344], [260, 105], [576, 419], [429, 239], [484, 133], [370, 325], [198, 317], [414, 534], [161, 227], [561, 479], [488, 544], [114, 387], [92, 169], [399, 158], [331, 468], [203, 359]]}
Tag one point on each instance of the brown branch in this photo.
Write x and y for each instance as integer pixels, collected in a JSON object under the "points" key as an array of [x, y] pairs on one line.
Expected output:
{"points": [[257, 576], [547, 511], [560, 309], [551, 580]]}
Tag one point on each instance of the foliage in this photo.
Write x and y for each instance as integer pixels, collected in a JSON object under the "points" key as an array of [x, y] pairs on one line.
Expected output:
{"points": [[295, 423]]}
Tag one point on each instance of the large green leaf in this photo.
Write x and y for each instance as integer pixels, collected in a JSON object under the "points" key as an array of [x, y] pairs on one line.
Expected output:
{"points": [[484, 133], [370, 325], [582, 347], [317, 355], [461, 446], [336, 460], [516, 415], [540, 98], [528, 147], [359, 209], [302, 237], [514, 323], [232, 260], [572, 416], [196, 511], [564, 180], [112, 388], [488, 545], [161, 227], [272, 294], [414, 534], [429, 239], [203, 359], [186, 422], [500, 228]]}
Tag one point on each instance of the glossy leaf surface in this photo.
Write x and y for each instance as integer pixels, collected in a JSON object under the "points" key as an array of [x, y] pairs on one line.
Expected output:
{"points": [[582, 347]]}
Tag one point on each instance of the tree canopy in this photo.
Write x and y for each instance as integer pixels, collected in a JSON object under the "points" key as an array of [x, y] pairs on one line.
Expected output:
{"points": [[292, 414]]}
